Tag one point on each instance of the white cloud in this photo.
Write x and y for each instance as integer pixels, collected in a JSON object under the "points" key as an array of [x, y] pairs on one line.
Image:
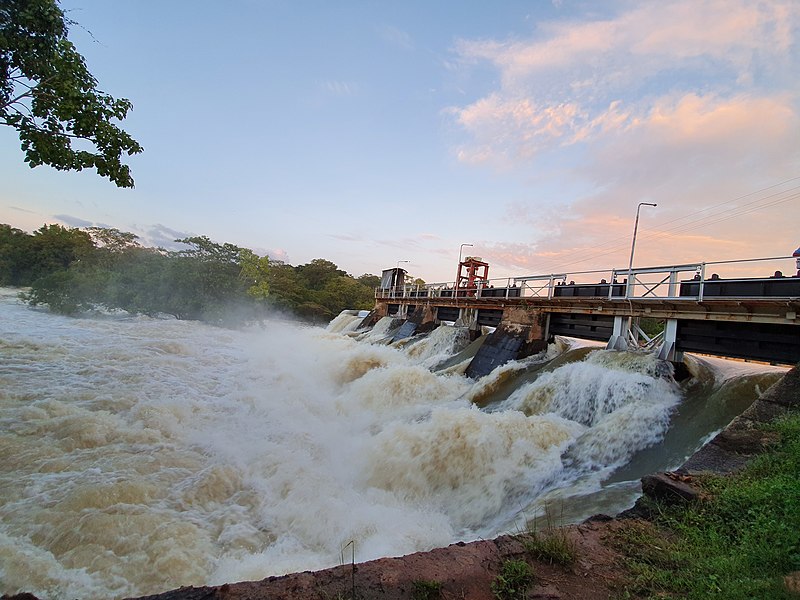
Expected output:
{"points": [[160, 236], [73, 221], [339, 88], [579, 80], [689, 103]]}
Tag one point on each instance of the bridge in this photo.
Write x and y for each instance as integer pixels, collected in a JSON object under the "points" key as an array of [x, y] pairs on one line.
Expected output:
{"points": [[695, 309]]}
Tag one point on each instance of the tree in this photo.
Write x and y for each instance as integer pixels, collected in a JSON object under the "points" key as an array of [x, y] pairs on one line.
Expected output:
{"points": [[345, 292], [203, 249], [15, 255], [54, 248], [49, 96], [112, 239], [318, 272], [285, 288], [369, 280], [255, 271]]}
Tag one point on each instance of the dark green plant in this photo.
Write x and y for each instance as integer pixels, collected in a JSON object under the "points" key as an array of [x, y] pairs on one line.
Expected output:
{"points": [[739, 543], [515, 577], [73, 271], [426, 590], [651, 326], [49, 96], [551, 544]]}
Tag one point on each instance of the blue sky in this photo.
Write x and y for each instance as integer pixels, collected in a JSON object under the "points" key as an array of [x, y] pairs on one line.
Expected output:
{"points": [[372, 132]]}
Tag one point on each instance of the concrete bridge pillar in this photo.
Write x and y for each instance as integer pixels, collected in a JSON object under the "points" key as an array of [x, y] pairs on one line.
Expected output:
{"points": [[468, 317], [667, 350], [619, 337]]}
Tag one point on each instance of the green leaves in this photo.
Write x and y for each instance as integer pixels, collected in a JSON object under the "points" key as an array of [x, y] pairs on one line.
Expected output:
{"points": [[255, 271], [515, 577], [49, 96], [73, 270]]}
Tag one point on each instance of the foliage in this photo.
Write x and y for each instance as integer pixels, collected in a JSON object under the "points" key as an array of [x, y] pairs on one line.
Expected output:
{"points": [[551, 544], [49, 96], [738, 544], [370, 281], [426, 590], [513, 582], [25, 258], [14, 256], [72, 271], [343, 290], [112, 239], [255, 271], [651, 326], [318, 273], [285, 289]]}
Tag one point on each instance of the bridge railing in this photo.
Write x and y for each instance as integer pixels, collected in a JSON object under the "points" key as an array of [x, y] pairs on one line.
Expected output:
{"points": [[687, 281]]}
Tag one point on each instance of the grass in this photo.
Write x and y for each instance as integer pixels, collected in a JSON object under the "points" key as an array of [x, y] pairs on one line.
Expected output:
{"points": [[426, 590], [739, 543], [550, 544], [513, 582]]}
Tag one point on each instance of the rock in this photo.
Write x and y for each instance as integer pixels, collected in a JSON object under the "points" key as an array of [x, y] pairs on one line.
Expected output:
{"points": [[669, 487]]}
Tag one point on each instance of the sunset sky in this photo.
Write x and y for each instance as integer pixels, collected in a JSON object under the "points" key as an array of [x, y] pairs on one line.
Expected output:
{"points": [[371, 132]]}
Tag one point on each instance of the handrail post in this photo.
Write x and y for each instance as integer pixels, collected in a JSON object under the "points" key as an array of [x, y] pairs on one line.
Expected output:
{"points": [[702, 281], [673, 282]]}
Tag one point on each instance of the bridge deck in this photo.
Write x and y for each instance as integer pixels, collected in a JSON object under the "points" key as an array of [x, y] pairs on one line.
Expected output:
{"points": [[779, 310]]}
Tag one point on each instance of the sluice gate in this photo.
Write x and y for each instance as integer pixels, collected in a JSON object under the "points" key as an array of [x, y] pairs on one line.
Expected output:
{"points": [[747, 318]]}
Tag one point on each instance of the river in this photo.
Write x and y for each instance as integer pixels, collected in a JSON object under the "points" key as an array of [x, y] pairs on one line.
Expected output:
{"points": [[142, 454]]}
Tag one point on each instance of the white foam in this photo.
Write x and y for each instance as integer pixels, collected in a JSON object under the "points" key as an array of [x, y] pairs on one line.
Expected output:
{"points": [[142, 454]]}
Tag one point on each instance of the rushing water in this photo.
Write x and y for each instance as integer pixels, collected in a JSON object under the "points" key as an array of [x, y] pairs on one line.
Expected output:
{"points": [[141, 454]]}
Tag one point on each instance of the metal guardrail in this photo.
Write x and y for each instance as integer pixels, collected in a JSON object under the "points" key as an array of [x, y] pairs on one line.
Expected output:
{"points": [[685, 282]]}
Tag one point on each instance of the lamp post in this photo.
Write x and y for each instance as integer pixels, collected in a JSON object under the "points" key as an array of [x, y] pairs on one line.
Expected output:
{"points": [[633, 242], [397, 272], [458, 273]]}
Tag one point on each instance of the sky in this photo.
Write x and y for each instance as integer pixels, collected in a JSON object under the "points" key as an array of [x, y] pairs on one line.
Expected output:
{"points": [[369, 133]]}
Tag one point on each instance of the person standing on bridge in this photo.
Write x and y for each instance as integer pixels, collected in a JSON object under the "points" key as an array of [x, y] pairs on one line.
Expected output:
{"points": [[796, 255]]}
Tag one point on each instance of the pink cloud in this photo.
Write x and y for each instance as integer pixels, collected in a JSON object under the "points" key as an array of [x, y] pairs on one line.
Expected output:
{"points": [[691, 104], [579, 80]]}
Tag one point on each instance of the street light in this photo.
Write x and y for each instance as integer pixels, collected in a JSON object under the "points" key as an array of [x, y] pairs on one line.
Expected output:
{"points": [[458, 273], [633, 243], [397, 272]]}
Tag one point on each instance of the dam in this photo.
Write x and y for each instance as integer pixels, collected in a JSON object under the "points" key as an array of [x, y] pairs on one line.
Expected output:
{"points": [[753, 318]]}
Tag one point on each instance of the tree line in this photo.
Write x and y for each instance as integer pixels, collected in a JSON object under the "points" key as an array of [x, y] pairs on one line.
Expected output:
{"points": [[73, 270]]}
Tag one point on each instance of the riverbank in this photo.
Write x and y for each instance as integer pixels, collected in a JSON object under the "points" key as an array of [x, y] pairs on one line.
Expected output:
{"points": [[657, 548]]}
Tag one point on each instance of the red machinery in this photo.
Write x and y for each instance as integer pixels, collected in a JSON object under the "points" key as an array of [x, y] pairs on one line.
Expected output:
{"points": [[470, 275]]}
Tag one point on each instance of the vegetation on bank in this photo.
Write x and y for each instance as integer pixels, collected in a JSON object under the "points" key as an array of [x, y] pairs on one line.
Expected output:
{"points": [[738, 543], [74, 270], [514, 580]]}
